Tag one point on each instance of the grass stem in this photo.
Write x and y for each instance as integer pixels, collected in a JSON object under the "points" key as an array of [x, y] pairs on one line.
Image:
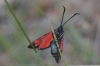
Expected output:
{"points": [[19, 24]]}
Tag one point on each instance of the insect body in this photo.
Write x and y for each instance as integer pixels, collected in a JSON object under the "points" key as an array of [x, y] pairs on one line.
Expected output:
{"points": [[48, 40]]}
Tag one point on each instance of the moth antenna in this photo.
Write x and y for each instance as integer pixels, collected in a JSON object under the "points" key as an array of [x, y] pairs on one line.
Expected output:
{"points": [[63, 14], [71, 18]]}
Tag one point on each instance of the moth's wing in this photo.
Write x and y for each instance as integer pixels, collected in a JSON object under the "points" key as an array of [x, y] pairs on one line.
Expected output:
{"points": [[61, 44], [57, 56], [46, 42], [43, 42]]}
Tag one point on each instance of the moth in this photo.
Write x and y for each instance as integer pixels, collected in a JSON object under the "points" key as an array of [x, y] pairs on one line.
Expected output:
{"points": [[47, 40]]}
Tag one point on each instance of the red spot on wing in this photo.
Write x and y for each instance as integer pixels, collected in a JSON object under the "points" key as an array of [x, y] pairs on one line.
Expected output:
{"points": [[61, 44], [38, 41], [46, 41]]}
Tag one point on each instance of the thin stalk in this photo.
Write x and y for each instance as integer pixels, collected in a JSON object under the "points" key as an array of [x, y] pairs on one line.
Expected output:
{"points": [[19, 24], [62, 58]]}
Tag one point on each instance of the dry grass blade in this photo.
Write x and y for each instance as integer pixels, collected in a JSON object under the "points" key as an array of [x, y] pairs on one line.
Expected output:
{"points": [[62, 58]]}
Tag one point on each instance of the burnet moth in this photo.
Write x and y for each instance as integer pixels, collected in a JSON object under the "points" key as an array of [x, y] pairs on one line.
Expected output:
{"points": [[48, 40]]}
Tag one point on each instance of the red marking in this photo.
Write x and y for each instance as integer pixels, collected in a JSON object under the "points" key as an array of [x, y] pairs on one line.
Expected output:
{"points": [[44, 41]]}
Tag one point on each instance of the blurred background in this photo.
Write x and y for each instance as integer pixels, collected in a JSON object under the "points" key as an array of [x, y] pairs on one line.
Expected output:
{"points": [[81, 44]]}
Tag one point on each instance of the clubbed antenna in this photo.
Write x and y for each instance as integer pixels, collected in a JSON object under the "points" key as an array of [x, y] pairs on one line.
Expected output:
{"points": [[63, 14], [70, 18]]}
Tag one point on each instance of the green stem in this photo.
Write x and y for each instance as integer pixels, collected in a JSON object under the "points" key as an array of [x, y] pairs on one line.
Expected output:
{"points": [[58, 47], [62, 58], [18, 22]]}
